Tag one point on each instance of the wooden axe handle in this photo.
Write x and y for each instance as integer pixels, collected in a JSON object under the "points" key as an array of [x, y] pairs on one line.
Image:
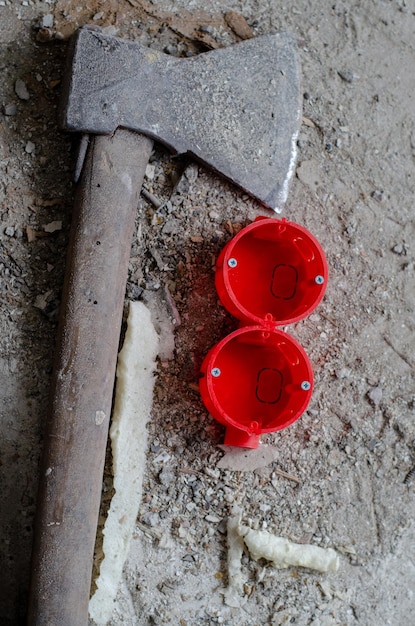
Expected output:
{"points": [[83, 379]]}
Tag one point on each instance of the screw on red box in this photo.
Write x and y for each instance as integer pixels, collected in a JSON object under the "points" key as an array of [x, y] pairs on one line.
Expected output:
{"points": [[259, 379]]}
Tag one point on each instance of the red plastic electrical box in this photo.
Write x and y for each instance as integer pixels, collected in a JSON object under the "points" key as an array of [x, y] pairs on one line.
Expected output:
{"points": [[254, 381], [272, 270], [258, 379]]}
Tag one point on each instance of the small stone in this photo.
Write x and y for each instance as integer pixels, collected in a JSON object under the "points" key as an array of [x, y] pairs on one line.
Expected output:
{"points": [[196, 487], [42, 300], [30, 147], [170, 49], [10, 109], [334, 457], [47, 20], [378, 195], [150, 171], [150, 519], [238, 24], [9, 231], [214, 216], [53, 226], [343, 372], [375, 395], [347, 75], [171, 227], [192, 172], [399, 249], [166, 476], [21, 89], [163, 457], [98, 16], [213, 473]]}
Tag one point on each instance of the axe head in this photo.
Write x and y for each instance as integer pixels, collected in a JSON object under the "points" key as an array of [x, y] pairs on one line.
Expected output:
{"points": [[235, 109]]}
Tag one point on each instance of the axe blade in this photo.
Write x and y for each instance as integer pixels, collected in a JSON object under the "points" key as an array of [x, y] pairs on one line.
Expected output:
{"points": [[236, 109]]}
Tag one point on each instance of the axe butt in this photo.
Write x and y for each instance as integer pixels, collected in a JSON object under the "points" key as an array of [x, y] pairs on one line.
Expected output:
{"points": [[82, 384]]}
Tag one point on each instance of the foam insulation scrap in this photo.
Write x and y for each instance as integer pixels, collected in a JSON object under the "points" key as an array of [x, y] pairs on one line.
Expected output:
{"points": [[283, 553], [235, 552], [132, 407], [280, 552]]}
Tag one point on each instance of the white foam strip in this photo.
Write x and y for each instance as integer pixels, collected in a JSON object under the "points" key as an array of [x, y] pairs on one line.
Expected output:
{"points": [[133, 403], [235, 552], [283, 553]]}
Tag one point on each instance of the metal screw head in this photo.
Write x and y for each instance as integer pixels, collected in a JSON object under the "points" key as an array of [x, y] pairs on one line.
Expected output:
{"points": [[215, 372], [319, 279], [232, 262], [305, 385]]}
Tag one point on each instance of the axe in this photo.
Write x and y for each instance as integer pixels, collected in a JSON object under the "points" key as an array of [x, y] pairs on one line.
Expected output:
{"points": [[236, 110]]}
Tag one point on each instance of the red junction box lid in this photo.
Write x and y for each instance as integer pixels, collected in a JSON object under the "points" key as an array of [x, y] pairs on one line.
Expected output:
{"points": [[256, 380], [273, 272]]}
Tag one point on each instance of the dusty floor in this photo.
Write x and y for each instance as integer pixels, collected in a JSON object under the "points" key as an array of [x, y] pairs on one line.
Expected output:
{"points": [[354, 448]]}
